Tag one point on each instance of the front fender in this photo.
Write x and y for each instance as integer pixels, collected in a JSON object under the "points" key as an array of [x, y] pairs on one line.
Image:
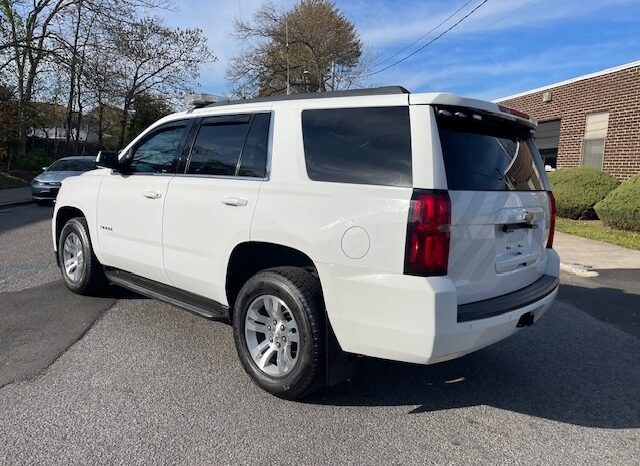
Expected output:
{"points": [[79, 193]]}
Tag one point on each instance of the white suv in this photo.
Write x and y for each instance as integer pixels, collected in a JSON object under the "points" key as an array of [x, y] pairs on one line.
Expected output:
{"points": [[412, 227]]}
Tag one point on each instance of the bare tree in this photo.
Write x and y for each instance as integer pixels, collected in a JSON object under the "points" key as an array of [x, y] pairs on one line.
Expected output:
{"points": [[313, 47], [153, 58], [27, 28], [37, 33]]}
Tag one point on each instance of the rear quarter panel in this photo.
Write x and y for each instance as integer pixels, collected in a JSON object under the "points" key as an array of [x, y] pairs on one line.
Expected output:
{"points": [[323, 220]]}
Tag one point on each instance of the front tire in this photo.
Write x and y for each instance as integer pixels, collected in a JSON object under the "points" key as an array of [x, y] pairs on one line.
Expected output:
{"points": [[81, 270], [279, 331]]}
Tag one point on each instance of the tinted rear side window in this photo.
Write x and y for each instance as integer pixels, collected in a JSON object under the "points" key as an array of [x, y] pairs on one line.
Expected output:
{"points": [[254, 154], [488, 155], [358, 145], [217, 148]]}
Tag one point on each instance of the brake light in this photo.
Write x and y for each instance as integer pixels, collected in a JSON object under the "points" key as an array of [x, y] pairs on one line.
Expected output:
{"points": [[428, 237], [513, 111], [552, 219]]}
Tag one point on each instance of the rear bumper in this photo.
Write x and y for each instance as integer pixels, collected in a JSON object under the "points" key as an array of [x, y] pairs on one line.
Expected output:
{"points": [[519, 299], [454, 341], [415, 319]]}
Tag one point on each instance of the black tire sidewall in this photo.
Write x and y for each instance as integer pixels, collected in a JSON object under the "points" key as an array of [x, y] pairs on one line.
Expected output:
{"points": [[265, 284], [76, 226]]}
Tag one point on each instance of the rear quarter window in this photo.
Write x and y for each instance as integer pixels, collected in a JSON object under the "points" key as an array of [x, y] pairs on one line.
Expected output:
{"points": [[358, 145]]}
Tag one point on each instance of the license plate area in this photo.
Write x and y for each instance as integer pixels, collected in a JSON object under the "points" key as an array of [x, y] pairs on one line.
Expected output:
{"points": [[516, 249]]}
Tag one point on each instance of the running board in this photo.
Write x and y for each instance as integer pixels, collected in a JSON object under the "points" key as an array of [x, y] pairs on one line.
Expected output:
{"points": [[191, 302]]}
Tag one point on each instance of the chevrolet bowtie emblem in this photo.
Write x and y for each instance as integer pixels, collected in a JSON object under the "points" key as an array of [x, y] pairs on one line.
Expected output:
{"points": [[528, 216]]}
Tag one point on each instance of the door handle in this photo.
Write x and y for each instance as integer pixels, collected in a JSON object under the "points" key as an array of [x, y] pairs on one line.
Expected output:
{"points": [[152, 194], [234, 201]]}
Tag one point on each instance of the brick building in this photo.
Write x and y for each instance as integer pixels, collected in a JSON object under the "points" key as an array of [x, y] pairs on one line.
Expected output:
{"points": [[592, 120]]}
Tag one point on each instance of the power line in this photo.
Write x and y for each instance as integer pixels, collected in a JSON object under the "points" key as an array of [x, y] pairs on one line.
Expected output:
{"points": [[424, 35], [509, 14], [425, 45]]}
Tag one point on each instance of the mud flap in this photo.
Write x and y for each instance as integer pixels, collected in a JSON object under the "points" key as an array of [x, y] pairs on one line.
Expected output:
{"points": [[341, 365]]}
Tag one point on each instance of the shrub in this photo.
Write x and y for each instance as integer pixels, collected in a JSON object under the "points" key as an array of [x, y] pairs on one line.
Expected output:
{"points": [[621, 208], [34, 161], [578, 189]]}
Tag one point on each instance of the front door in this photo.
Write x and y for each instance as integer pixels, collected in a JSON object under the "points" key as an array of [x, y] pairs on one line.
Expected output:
{"points": [[130, 204], [209, 209]]}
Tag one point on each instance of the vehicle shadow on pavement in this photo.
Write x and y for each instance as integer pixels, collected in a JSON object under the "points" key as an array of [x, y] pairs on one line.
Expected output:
{"points": [[613, 297], [18, 217], [568, 368]]}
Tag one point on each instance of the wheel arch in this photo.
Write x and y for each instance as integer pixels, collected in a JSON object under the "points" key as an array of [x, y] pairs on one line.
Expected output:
{"points": [[250, 257], [63, 215]]}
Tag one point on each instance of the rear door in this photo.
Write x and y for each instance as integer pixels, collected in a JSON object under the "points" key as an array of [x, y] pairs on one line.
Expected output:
{"points": [[499, 203], [209, 208]]}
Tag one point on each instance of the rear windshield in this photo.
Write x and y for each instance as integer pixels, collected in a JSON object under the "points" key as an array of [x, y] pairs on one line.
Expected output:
{"points": [[485, 153], [73, 165]]}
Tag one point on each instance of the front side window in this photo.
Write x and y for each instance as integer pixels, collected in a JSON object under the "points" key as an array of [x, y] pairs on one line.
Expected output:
{"points": [[358, 145], [159, 152]]}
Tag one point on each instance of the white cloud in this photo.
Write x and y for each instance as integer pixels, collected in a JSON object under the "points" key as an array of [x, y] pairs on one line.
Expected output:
{"points": [[508, 75], [415, 18], [471, 57], [216, 19]]}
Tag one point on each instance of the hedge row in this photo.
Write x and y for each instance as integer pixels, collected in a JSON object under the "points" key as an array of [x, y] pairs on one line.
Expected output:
{"points": [[577, 190], [621, 208]]}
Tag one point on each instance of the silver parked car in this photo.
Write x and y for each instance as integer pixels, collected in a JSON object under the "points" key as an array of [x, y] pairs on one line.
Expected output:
{"points": [[45, 186]]}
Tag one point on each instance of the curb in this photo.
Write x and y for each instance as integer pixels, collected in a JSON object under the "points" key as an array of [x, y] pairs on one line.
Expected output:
{"points": [[578, 270], [15, 204]]}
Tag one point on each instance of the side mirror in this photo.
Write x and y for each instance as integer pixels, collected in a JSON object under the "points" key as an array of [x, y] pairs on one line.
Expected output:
{"points": [[109, 160]]}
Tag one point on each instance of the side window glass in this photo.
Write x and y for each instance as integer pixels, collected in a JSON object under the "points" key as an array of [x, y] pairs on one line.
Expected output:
{"points": [[217, 148], [159, 153], [254, 155], [369, 145]]}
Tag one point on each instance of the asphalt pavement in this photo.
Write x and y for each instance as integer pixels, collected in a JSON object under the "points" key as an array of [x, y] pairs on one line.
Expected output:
{"points": [[15, 196], [149, 383]]}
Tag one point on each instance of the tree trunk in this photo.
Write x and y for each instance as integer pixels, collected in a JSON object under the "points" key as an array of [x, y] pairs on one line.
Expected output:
{"points": [[100, 123], [73, 78], [124, 119]]}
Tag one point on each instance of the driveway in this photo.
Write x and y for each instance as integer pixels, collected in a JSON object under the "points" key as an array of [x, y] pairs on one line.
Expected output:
{"points": [[149, 383]]}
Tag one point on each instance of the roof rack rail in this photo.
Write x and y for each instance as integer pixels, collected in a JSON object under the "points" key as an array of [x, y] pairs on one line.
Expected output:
{"points": [[384, 90]]}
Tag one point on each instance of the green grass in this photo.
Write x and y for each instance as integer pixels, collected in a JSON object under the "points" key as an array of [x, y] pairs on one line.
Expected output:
{"points": [[6, 182], [594, 229]]}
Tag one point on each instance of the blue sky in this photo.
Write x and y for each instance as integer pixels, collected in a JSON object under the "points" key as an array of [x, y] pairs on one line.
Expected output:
{"points": [[505, 47]]}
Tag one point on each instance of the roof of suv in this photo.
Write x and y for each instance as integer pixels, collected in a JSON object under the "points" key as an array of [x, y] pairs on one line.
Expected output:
{"points": [[372, 91], [354, 97]]}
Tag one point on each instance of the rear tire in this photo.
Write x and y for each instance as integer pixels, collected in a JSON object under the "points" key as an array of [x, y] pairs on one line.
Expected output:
{"points": [[81, 271], [283, 304]]}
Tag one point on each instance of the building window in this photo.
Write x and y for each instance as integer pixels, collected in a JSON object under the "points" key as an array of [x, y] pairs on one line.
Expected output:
{"points": [[547, 139], [594, 135]]}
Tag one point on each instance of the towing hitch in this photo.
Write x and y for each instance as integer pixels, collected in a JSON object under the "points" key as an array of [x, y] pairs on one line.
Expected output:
{"points": [[526, 319]]}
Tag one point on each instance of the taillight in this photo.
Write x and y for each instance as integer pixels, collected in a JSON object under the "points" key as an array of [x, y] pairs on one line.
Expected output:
{"points": [[552, 219], [428, 226]]}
